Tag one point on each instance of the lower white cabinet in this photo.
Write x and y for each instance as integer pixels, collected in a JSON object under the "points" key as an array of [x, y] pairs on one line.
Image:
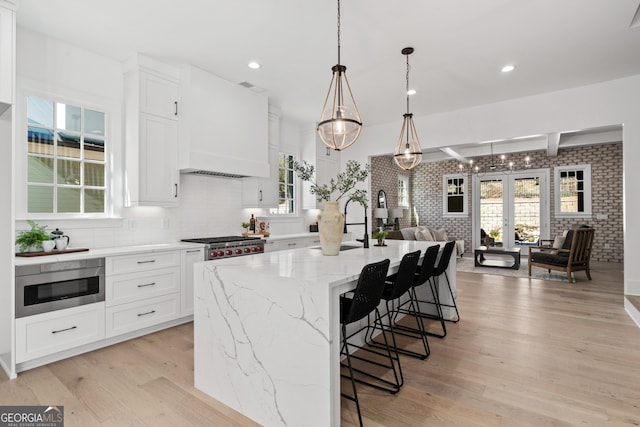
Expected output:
{"points": [[124, 288], [48, 333], [142, 290], [188, 258], [136, 315]]}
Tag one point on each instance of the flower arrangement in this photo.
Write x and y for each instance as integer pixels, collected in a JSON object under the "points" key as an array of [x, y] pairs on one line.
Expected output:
{"points": [[342, 184]]}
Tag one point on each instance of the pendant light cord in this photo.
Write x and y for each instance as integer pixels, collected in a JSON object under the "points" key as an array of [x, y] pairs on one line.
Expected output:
{"points": [[407, 86], [338, 32]]}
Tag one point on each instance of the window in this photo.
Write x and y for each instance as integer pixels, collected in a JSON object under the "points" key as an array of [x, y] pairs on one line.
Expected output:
{"points": [[286, 186], [573, 191], [403, 191], [66, 162], [454, 196]]}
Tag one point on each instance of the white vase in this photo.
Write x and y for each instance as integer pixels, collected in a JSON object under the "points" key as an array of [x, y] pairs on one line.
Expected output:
{"points": [[331, 228]]}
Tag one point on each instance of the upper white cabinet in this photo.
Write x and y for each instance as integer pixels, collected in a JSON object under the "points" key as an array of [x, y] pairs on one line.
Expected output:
{"points": [[327, 166], [7, 53], [223, 127], [151, 133], [263, 192]]}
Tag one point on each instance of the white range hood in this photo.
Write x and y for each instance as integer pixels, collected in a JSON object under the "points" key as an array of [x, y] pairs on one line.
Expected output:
{"points": [[223, 129]]}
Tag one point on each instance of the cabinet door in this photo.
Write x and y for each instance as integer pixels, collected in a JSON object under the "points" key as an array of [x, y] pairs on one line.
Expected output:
{"points": [[158, 96], [189, 257], [158, 173], [262, 192], [7, 54]]}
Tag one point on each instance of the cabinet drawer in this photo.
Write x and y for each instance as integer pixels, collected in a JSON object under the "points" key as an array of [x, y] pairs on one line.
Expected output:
{"points": [[141, 262], [141, 314], [124, 288], [48, 333]]}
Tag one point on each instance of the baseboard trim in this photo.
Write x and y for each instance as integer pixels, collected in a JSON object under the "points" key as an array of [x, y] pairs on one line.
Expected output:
{"points": [[632, 307]]}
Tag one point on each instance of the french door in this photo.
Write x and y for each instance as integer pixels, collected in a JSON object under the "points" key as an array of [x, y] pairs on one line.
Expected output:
{"points": [[511, 208]]}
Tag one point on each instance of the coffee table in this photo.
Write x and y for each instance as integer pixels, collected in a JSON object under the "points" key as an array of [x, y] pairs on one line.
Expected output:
{"points": [[481, 261]]}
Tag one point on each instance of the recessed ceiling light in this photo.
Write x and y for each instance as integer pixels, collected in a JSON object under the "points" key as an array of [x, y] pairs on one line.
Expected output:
{"points": [[508, 68], [253, 65], [411, 92]]}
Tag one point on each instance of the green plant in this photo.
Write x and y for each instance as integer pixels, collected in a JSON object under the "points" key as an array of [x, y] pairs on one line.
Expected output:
{"points": [[33, 237], [342, 184], [246, 225], [380, 234]]}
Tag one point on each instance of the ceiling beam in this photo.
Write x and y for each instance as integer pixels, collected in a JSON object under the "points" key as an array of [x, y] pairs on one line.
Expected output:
{"points": [[553, 143]]}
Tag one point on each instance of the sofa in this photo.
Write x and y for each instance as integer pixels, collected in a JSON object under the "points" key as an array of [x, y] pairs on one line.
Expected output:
{"points": [[427, 234]]}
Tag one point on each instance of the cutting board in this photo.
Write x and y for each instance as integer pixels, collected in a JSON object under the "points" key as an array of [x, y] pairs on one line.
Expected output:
{"points": [[54, 252]]}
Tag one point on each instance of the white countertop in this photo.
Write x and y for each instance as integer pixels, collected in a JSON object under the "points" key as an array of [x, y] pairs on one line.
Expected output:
{"points": [[104, 252], [290, 236]]}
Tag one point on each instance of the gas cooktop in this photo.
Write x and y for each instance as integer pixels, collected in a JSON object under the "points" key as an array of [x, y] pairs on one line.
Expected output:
{"points": [[223, 239]]}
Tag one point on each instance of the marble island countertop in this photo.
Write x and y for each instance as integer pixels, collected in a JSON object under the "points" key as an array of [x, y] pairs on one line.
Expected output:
{"points": [[269, 323]]}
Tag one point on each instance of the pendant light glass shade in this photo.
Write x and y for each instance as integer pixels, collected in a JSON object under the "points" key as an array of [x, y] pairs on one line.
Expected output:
{"points": [[340, 122], [408, 152]]}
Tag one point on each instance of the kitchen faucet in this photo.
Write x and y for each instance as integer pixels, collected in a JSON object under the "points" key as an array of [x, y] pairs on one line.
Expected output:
{"points": [[364, 240]]}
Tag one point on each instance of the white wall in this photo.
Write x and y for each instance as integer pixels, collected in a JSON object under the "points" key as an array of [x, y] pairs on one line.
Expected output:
{"points": [[608, 103]]}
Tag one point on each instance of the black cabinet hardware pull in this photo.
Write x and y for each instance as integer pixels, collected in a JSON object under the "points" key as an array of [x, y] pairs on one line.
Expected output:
{"points": [[260, 196], [292, 244], [176, 103], [146, 262], [144, 314], [176, 192], [193, 251], [147, 284], [64, 330]]}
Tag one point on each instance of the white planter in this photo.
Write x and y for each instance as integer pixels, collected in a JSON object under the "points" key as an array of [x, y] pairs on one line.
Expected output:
{"points": [[331, 228]]}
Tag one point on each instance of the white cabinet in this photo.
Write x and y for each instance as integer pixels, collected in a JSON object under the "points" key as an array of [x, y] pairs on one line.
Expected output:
{"points": [[188, 258], [262, 192], [142, 290], [7, 53], [44, 334], [223, 126], [151, 133]]}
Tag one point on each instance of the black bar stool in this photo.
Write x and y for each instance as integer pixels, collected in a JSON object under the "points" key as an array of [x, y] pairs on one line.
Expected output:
{"points": [[396, 286], [422, 276], [365, 300], [440, 270]]}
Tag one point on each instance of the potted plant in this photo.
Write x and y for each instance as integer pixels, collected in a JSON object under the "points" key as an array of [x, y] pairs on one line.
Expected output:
{"points": [[31, 241], [331, 220], [380, 235]]}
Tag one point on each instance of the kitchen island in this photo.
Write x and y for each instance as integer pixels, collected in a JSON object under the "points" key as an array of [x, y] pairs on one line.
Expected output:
{"points": [[267, 332]]}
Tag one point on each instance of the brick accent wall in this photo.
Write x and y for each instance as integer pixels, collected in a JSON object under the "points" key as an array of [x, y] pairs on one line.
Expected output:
{"points": [[384, 176], [606, 193]]}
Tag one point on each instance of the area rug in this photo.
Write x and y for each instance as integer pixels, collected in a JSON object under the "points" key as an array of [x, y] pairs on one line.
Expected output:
{"points": [[466, 264]]}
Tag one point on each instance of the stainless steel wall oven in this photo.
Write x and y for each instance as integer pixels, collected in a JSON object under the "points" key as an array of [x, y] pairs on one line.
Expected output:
{"points": [[47, 287]]}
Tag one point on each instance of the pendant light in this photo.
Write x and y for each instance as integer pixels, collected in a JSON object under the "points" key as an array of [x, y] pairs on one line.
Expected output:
{"points": [[340, 122], [408, 152]]}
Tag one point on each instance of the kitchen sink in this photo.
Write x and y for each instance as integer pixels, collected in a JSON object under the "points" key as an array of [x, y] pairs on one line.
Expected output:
{"points": [[342, 247]]}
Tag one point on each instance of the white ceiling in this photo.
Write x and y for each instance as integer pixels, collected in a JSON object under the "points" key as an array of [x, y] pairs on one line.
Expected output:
{"points": [[460, 45]]}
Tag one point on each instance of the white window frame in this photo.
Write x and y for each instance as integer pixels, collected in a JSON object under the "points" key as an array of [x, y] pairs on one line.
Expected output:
{"points": [[403, 192], [111, 209], [275, 212], [586, 170], [445, 196]]}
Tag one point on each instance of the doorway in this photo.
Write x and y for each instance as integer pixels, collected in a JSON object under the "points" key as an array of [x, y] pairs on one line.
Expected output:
{"points": [[512, 209]]}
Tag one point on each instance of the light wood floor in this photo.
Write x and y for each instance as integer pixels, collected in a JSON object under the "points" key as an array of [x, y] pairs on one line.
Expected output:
{"points": [[526, 353]]}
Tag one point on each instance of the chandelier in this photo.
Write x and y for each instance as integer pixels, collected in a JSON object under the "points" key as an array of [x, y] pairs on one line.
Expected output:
{"points": [[501, 166], [408, 152], [340, 122]]}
